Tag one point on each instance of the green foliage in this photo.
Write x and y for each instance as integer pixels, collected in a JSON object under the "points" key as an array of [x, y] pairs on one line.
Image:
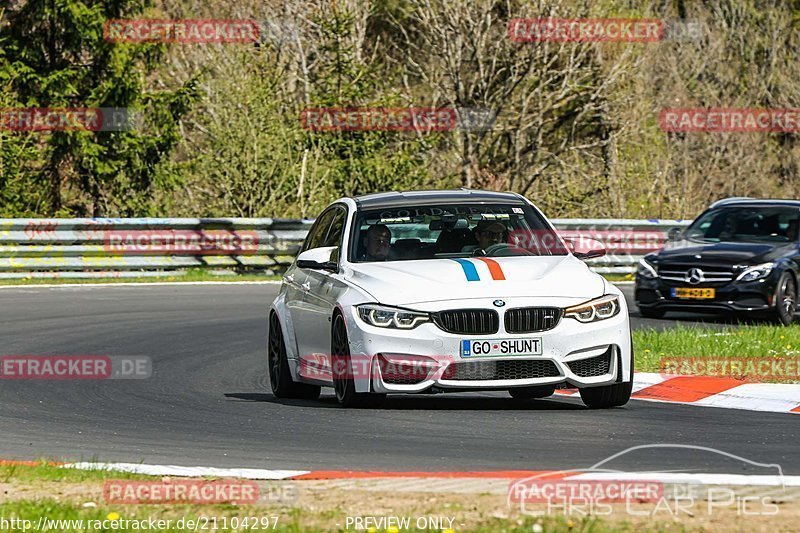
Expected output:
{"points": [[255, 158], [56, 56], [219, 129]]}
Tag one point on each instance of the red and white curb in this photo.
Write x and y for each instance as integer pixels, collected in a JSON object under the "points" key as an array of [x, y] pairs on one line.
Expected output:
{"points": [[714, 392], [308, 475], [669, 477]]}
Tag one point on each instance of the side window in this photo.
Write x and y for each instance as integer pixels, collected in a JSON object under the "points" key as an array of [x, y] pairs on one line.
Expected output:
{"points": [[334, 237], [316, 236], [790, 225]]}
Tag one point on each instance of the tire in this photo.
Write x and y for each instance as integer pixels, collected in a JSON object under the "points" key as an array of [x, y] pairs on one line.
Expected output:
{"points": [[785, 300], [648, 312], [280, 377], [343, 385], [529, 393], [608, 396]]}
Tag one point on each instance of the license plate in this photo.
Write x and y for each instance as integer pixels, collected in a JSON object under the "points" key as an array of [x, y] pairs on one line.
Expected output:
{"points": [[500, 347], [693, 293]]}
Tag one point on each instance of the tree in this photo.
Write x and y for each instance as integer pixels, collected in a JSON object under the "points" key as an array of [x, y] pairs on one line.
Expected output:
{"points": [[20, 194], [59, 57], [549, 98]]}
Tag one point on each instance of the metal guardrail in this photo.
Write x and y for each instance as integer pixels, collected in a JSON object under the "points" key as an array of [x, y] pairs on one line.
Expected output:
{"points": [[134, 247], [145, 247], [626, 240]]}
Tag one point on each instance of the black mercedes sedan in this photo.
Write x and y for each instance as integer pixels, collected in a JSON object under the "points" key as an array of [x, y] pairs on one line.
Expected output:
{"points": [[741, 256]]}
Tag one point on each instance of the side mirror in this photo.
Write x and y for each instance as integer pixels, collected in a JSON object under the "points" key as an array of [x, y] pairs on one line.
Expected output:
{"points": [[674, 234], [318, 259], [584, 248]]}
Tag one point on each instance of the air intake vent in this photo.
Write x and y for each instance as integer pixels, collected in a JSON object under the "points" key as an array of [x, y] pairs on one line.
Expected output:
{"points": [[402, 372], [500, 370], [593, 366]]}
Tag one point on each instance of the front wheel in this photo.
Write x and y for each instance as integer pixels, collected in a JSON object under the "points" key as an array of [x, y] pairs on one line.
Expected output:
{"points": [[785, 300], [343, 379], [609, 395], [280, 377]]}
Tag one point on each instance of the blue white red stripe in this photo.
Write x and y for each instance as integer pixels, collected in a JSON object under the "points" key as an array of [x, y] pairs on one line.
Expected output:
{"points": [[471, 272]]}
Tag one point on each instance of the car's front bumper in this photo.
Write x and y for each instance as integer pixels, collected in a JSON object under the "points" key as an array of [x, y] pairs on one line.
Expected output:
{"points": [[731, 297], [581, 355]]}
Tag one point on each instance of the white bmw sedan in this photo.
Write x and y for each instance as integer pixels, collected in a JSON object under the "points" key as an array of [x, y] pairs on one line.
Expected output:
{"points": [[437, 291]]}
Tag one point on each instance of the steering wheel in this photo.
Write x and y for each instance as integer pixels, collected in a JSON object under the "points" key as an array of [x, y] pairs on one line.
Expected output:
{"points": [[503, 250]]}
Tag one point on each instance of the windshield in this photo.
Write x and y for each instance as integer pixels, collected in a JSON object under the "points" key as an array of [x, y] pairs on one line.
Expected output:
{"points": [[746, 224], [452, 230]]}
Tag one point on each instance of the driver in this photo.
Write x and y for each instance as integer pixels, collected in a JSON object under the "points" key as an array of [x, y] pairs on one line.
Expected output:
{"points": [[728, 230], [489, 233], [376, 243]]}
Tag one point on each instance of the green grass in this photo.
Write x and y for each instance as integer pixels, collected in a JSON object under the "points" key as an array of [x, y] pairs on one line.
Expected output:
{"points": [[756, 341], [86, 503], [46, 471], [288, 520], [191, 275], [618, 277]]}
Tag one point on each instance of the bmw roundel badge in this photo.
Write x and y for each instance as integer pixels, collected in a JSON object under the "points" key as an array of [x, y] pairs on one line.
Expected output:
{"points": [[499, 303]]}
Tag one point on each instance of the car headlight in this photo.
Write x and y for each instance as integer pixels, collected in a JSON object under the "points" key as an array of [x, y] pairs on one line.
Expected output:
{"points": [[594, 310], [646, 270], [391, 317], [756, 272]]}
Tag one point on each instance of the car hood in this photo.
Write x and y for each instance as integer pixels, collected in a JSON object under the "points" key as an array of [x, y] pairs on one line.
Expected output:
{"points": [[728, 253], [408, 282]]}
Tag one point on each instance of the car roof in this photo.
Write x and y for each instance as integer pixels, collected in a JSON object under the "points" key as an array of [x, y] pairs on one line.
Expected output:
{"points": [[755, 202], [383, 200]]}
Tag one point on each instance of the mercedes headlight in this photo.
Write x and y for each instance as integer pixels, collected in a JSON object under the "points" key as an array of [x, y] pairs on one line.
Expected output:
{"points": [[594, 310], [756, 272], [391, 317], [646, 270]]}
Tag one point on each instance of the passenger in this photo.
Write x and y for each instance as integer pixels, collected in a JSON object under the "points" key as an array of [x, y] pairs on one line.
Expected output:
{"points": [[792, 230]]}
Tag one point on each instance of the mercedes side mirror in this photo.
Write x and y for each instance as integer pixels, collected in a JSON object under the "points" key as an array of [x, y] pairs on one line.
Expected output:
{"points": [[674, 234]]}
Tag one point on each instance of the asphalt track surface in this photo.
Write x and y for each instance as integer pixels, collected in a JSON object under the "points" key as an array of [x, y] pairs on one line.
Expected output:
{"points": [[208, 401]]}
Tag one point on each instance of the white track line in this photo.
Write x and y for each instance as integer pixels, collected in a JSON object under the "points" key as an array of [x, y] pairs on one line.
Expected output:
{"points": [[694, 478], [642, 380], [775, 397], [189, 471]]}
